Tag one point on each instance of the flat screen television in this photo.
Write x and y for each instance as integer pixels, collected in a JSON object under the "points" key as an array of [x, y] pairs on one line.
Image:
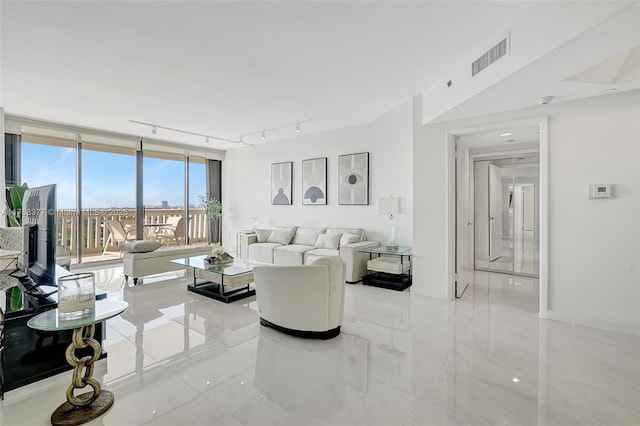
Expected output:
{"points": [[39, 209]]}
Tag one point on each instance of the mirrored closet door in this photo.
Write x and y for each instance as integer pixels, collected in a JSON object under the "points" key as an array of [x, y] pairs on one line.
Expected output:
{"points": [[506, 194]]}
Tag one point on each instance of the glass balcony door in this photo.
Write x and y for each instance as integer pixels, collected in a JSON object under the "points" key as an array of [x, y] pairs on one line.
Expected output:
{"points": [[164, 197], [108, 188]]}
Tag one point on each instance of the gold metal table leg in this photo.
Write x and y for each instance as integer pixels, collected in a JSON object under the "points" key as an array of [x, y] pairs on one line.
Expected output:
{"points": [[85, 407]]}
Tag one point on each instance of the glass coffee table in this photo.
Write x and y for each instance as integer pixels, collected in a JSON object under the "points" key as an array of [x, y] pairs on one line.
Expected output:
{"points": [[227, 283]]}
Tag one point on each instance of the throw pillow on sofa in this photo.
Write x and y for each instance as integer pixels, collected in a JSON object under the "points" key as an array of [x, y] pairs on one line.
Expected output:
{"points": [[328, 241], [280, 236], [348, 238], [307, 236], [141, 246], [263, 234]]}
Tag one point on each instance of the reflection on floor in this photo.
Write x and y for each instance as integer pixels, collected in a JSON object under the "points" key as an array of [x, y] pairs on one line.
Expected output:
{"points": [[524, 250], [178, 358]]}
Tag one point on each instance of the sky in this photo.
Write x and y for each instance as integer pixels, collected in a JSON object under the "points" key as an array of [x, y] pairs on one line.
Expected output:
{"points": [[108, 179]]}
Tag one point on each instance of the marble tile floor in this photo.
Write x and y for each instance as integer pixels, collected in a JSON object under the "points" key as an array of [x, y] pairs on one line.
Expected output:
{"points": [[177, 358]]}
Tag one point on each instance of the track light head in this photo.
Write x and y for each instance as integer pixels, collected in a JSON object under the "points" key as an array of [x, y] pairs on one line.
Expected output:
{"points": [[298, 128], [264, 136], [154, 130], [241, 139], [206, 140]]}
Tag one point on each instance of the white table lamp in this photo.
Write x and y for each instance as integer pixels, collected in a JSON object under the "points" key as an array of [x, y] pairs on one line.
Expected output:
{"points": [[390, 206]]}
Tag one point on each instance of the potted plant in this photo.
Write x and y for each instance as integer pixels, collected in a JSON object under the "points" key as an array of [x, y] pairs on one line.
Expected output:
{"points": [[14, 197], [213, 210]]}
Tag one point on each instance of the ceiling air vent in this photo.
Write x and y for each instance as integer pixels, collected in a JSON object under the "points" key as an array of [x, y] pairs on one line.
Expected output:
{"points": [[495, 53]]}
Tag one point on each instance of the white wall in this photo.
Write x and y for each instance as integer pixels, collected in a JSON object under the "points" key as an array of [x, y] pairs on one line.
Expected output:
{"points": [[594, 245], [542, 28], [247, 179]]}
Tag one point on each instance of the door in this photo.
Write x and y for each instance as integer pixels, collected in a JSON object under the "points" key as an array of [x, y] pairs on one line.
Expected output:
{"points": [[495, 212], [464, 224], [481, 213]]}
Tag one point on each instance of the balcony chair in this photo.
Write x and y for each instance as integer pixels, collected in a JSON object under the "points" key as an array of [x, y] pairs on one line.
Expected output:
{"points": [[304, 301], [174, 230], [117, 234]]}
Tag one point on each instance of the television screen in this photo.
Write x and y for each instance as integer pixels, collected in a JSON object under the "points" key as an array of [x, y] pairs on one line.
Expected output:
{"points": [[39, 208]]}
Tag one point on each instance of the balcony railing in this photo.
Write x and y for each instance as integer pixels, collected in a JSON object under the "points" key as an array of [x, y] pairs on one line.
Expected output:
{"points": [[95, 234]]}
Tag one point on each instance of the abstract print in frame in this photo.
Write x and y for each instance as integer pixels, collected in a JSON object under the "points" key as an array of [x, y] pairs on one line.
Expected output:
{"points": [[314, 181], [353, 179], [281, 174]]}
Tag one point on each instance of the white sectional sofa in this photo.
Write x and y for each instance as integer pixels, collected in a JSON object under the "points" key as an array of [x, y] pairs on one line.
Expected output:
{"points": [[292, 246]]}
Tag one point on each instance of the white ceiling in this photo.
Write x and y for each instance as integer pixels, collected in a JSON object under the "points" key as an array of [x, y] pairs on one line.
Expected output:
{"points": [[232, 68], [519, 134]]}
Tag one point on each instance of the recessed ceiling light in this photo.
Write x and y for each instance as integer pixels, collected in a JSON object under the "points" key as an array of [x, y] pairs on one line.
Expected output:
{"points": [[516, 380], [506, 134]]}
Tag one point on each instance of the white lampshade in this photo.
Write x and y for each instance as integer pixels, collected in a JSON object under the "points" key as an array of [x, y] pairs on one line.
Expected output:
{"points": [[388, 206]]}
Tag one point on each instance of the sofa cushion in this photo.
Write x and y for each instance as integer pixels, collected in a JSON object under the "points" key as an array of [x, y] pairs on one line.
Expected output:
{"points": [[281, 236], [315, 253], [348, 238], [355, 231], [327, 241], [141, 246], [169, 252], [306, 236], [292, 254], [262, 252]]}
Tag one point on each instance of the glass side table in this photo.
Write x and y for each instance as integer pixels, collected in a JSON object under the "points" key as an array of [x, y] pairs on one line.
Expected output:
{"points": [[390, 269], [90, 405]]}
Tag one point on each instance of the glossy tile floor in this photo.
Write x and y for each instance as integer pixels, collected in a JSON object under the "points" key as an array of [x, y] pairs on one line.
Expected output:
{"points": [[176, 358]]}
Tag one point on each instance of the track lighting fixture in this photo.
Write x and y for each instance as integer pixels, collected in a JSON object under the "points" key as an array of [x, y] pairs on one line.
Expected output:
{"points": [[207, 138], [263, 133]]}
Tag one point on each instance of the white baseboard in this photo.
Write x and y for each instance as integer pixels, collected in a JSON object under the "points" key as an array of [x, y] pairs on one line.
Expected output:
{"points": [[595, 323]]}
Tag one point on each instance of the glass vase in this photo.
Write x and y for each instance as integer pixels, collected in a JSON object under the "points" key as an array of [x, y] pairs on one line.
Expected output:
{"points": [[76, 295]]}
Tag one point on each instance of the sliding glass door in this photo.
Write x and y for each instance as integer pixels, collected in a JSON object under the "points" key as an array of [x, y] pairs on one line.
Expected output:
{"points": [[108, 194]]}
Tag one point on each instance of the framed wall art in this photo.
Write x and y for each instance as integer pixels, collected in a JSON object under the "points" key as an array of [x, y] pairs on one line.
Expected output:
{"points": [[314, 181], [353, 179], [281, 177]]}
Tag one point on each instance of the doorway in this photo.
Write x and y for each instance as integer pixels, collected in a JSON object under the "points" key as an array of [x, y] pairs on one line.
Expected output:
{"points": [[527, 245], [506, 206]]}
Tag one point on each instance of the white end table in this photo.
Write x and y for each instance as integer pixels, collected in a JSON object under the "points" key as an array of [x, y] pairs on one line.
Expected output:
{"points": [[90, 405]]}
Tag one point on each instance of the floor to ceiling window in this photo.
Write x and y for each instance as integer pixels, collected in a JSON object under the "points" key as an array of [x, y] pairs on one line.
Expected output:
{"points": [[163, 196], [44, 161], [198, 224], [104, 192], [108, 188]]}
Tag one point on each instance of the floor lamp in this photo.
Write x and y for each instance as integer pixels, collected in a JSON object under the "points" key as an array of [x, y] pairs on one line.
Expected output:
{"points": [[390, 206]]}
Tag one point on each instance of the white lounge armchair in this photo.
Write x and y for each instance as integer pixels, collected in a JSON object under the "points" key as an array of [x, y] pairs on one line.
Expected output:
{"points": [[304, 301]]}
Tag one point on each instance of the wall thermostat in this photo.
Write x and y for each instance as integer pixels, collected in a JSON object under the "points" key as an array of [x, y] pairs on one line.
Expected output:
{"points": [[601, 191]]}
